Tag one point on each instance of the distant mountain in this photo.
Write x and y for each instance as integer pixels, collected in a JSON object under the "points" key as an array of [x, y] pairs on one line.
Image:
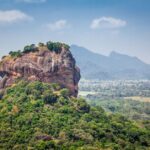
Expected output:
{"points": [[114, 66]]}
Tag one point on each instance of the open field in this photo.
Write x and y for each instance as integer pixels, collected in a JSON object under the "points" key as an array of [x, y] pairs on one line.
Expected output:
{"points": [[85, 93], [130, 89], [138, 98]]}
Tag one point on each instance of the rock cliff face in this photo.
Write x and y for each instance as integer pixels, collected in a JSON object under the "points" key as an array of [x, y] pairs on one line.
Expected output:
{"points": [[42, 65]]}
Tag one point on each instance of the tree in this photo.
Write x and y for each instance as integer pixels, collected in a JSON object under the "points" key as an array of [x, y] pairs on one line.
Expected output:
{"points": [[41, 44], [54, 46], [15, 53], [30, 48], [64, 92], [83, 106], [49, 97]]}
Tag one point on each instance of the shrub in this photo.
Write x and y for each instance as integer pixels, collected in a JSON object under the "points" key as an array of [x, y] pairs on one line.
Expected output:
{"points": [[49, 97], [63, 100], [79, 134], [30, 48], [67, 47], [15, 53], [52, 46], [56, 46], [41, 44], [3, 57], [55, 86], [82, 106], [64, 92]]}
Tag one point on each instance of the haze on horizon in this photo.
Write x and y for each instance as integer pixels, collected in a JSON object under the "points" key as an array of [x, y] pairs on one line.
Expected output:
{"points": [[99, 25]]}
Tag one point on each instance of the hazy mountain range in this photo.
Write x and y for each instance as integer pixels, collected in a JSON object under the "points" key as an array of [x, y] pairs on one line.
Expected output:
{"points": [[114, 66]]}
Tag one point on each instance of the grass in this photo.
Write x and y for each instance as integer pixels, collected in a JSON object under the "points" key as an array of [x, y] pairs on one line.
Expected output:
{"points": [[138, 98], [85, 93]]}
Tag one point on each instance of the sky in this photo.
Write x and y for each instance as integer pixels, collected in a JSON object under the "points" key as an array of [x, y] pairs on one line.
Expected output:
{"points": [[99, 25]]}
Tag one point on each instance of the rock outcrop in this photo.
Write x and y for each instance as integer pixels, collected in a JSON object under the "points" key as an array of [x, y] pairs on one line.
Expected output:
{"points": [[43, 65]]}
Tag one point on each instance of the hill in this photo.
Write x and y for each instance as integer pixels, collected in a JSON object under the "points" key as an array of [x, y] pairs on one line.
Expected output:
{"points": [[114, 66], [50, 62], [42, 116]]}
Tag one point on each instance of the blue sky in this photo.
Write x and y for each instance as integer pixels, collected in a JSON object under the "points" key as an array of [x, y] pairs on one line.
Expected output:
{"points": [[99, 25]]}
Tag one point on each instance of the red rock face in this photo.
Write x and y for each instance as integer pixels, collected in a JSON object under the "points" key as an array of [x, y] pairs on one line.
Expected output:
{"points": [[44, 66]]}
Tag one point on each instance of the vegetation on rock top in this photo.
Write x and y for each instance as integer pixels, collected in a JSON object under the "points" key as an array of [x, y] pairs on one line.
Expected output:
{"points": [[52, 46]]}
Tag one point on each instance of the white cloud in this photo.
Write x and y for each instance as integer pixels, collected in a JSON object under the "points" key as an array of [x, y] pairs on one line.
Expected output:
{"points": [[58, 25], [31, 1], [107, 22], [11, 16]]}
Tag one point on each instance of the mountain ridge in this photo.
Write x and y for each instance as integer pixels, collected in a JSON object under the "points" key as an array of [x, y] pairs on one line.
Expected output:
{"points": [[114, 66]]}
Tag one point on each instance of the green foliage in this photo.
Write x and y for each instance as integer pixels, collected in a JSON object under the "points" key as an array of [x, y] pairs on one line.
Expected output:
{"points": [[64, 93], [27, 49], [134, 110], [56, 46], [67, 47], [41, 44], [30, 48], [52, 46], [15, 53], [55, 86], [49, 97], [40, 116], [82, 106]]}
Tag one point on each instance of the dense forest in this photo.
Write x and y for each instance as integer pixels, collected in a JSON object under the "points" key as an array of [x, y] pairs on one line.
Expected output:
{"points": [[42, 116], [134, 110]]}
